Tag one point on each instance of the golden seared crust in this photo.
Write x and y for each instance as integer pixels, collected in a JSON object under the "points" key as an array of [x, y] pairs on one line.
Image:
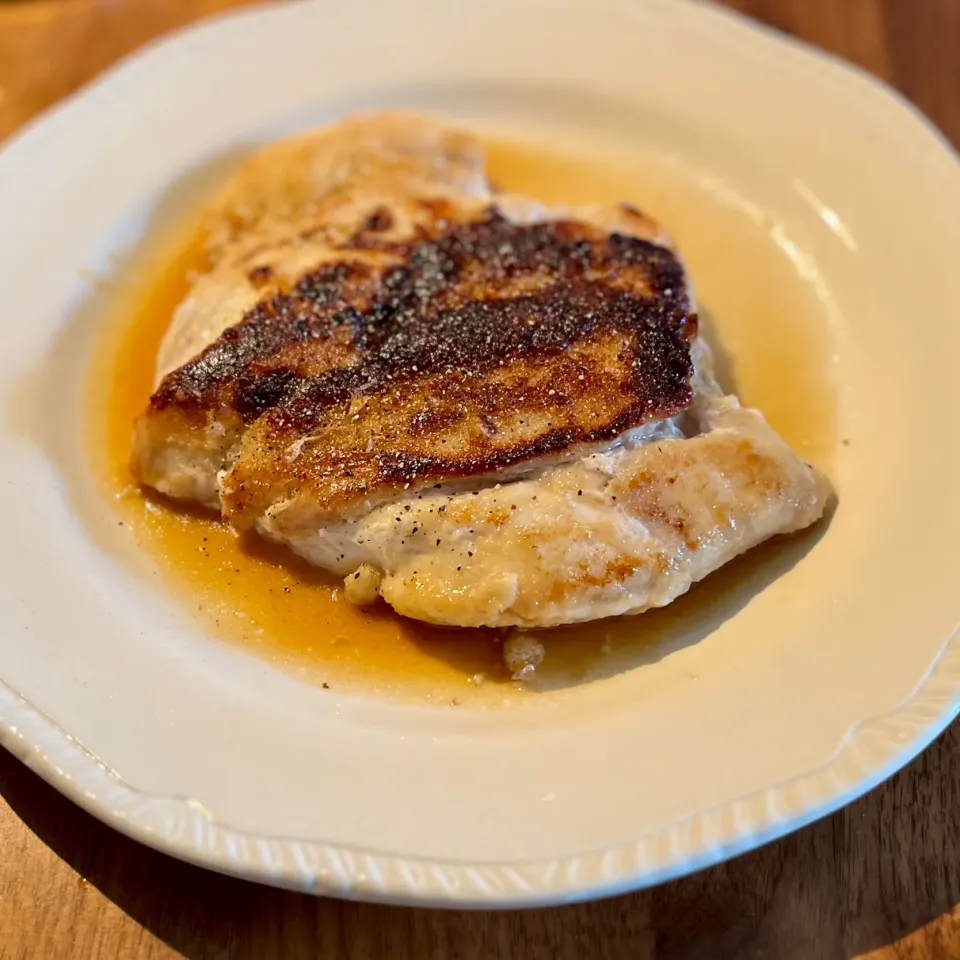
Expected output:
{"points": [[470, 349]]}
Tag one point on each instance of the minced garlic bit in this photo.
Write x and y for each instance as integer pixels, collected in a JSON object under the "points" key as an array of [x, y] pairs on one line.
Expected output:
{"points": [[522, 654], [362, 586]]}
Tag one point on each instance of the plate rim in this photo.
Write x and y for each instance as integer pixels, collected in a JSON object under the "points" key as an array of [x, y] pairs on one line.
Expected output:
{"points": [[870, 751]]}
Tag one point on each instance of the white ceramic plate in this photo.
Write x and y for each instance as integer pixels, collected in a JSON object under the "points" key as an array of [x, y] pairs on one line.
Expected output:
{"points": [[812, 682]]}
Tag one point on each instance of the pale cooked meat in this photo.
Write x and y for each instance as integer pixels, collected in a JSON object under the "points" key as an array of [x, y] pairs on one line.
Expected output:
{"points": [[495, 413]]}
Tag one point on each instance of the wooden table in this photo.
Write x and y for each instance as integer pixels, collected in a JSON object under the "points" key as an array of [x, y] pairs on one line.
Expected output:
{"points": [[880, 879]]}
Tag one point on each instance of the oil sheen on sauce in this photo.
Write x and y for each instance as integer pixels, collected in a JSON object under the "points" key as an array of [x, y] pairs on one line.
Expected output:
{"points": [[263, 597]]}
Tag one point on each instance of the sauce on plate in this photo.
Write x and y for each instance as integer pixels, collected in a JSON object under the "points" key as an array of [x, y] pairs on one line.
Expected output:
{"points": [[262, 596]]}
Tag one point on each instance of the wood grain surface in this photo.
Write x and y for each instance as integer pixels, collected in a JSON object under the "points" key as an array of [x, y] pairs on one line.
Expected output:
{"points": [[880, 879]]}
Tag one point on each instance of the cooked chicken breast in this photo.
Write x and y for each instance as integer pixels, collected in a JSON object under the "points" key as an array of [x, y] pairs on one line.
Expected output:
{"points": [[489, 412]]}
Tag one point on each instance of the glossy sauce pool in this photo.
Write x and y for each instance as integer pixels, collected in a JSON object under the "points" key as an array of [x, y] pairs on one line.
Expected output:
{"points": [[772, 345]]}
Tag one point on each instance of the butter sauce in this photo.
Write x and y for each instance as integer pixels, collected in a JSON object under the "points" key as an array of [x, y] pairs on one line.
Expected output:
{"points": [[772, 345]]}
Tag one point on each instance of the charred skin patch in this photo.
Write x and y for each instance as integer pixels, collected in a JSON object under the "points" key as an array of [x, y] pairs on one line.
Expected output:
{"points": [[260, 276], [380, 219], [476, 347]]}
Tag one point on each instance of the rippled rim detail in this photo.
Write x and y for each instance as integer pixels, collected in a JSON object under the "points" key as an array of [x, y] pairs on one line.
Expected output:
{"points": [[868, 753]]}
